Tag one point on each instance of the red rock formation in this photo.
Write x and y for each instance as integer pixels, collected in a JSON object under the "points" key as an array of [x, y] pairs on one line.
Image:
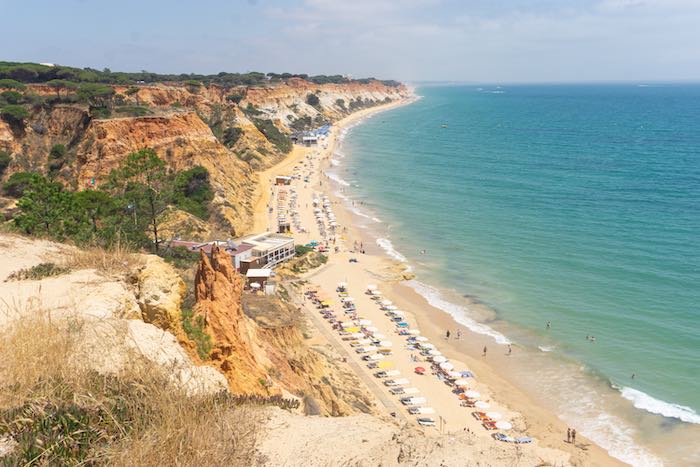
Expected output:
{"points": [[218, 290]]}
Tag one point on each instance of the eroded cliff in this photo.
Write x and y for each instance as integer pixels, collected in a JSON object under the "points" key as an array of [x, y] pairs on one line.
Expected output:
{"points": [[226, 130]]}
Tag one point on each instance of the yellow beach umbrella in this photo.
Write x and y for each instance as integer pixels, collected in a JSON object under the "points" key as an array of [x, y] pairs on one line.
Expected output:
{"points": [[385, 364]]}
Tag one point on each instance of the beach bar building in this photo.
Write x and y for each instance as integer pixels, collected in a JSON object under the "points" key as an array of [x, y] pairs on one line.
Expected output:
{"points": [[268, 250], [283, 180]]}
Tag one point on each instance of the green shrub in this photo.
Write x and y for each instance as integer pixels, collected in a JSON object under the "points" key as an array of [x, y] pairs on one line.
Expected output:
{"points": [[192, 191], [133, 110], [273, 134], [4, 162], [18, 183], [195, 329], [231, 136], [301, 250], [313, 100], [14, 114], [11, 84], [38, 272], [11, 97]]}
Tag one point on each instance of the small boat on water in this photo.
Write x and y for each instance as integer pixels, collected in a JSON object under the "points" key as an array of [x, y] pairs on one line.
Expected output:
{"points": [[444, 125]]}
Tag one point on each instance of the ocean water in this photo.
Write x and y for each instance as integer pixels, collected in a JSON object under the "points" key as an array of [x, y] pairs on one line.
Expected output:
{"points": [[577, 205]]}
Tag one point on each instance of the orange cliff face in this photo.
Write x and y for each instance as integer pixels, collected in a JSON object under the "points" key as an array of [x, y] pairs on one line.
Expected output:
{"points": [[186, 126], [218, 290]]}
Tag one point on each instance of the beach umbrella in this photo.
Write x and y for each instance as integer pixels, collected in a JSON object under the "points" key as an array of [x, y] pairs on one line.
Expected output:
{"points": [[371, 287], [421, 339], [452, 374], [357, 335], [420, 370], [439, 359], [349, 324], [385, 364], [397, 313], [355, 330], [413, 332], [427, 346], [385, 344], [482, 405], [342, 285], [434, 353], [390, 308], [494, 415], [365, 322], [371, 329], [254, 285], [378, 335], [376, 356], [462, 382], [376, 294], [472, 394], [347, 299], [386, 302], [503, 425]]}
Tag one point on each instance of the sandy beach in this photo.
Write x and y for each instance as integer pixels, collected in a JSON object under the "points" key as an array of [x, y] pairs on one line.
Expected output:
{"points": [[372, 266]]}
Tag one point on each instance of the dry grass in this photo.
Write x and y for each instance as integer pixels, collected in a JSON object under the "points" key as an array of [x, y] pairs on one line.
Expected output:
{"points": [[118, 259], [61, 413]]}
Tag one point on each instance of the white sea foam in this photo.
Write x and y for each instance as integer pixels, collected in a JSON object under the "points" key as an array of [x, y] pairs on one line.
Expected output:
{"points": [[377, 220], [545, 348], [335, 163], [336, 179], [387, 246], [459, 313], [644, 401]]}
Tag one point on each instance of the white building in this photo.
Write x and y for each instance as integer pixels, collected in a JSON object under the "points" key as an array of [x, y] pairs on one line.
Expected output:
{"points": [[269, 249]]}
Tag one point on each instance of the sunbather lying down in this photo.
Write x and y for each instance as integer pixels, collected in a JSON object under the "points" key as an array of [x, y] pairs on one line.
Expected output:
{"points": [[508, 439]]}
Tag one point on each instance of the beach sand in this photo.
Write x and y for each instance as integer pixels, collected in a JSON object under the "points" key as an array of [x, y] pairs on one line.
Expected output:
{"points": [[374, 267]]}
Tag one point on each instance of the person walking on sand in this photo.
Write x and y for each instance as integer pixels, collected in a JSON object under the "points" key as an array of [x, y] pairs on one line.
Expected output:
{"points": [[510, 349], [459, 334], [485, 349], [568, 435], [573, 436], [447, 334]]}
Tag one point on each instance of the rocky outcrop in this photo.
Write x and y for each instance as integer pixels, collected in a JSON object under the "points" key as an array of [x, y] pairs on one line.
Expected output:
{"points": [[105, 309], [160, 293], [235, 353]]}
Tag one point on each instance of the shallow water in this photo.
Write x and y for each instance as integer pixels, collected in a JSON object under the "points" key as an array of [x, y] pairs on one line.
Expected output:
{"points": [[577, 205]]}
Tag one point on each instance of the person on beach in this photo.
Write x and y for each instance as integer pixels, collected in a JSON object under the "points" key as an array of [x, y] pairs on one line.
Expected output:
{"points": [[447, 334], [459, 334], [549, 324], [573, 436], [568, 435], [485, 349], [510, 349]]}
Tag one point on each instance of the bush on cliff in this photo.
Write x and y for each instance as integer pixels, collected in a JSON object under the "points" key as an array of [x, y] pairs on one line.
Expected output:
{"points": [[5, 160], [192, 191], [273, 134]]}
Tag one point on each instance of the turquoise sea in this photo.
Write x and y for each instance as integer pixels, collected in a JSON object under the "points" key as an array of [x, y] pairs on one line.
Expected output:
{"points": [[573, 204]]}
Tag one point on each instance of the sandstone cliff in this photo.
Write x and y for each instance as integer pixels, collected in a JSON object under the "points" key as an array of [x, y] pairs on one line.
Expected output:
{"points": [[258, 344], [209, 126]]}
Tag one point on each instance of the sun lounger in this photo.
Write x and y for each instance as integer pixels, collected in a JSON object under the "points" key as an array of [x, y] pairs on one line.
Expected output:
{"points": [[489, 424], [504, 438]]}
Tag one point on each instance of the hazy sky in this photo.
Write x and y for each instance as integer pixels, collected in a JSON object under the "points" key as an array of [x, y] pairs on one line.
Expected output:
{"points": [[461, 40]]}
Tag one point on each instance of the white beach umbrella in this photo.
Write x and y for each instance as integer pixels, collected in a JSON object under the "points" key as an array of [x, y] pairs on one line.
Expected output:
{"points": [[378, 335], [376, 356], [386, 344], [342, 284], [461, 382], [365, 322], [427, 346], [503, 425], [434, 353], [494, 415], [454, 374], [371, 329], [349, 324], [376, 294], [386, 302], [413, 332], [389, 307], [482, 405], [254, 285], [439, 359], [446, 366], [371, 287], [357, 335], [397, 313], [421, 339], [472, 394]]}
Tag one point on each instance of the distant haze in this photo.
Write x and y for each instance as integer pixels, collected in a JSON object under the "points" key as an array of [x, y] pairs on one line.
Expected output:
{"points": [[460, 40]]}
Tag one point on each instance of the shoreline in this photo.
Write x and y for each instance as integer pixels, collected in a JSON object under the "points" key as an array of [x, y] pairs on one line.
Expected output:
{"points": [[542, 424]]}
